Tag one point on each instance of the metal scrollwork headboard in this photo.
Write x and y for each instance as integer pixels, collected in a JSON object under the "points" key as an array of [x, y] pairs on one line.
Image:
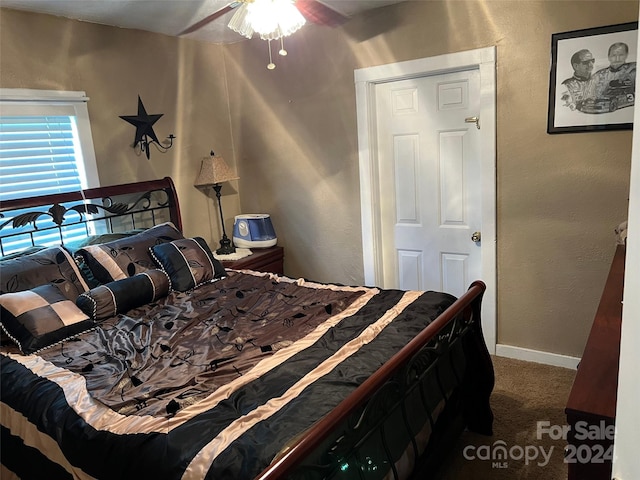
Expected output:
{"points": [[97, 210]]}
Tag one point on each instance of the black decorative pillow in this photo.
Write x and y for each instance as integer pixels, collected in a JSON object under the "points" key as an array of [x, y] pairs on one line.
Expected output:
{"points": [[108, 300], [41, 317], [53, 265], [188, 262], [73, 247], [128, 256]]}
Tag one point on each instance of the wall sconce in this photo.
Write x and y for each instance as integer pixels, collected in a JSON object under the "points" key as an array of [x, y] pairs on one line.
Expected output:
{"points": [[145, 136], [213, 172]]}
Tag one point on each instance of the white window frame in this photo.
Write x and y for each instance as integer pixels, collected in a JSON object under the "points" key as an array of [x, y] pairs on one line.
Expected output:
{"points": [[17, 101]]}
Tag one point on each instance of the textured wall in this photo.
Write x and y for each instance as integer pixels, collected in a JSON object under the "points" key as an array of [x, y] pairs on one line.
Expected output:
{"points": [[179, 78], [292, 134], [559, 196]]}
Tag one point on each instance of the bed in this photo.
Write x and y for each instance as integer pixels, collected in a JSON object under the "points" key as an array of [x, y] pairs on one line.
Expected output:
{"points": [[129, 352]]}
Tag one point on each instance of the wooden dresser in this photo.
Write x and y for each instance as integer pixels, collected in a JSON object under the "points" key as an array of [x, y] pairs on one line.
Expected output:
{"points": [[261, 260], [591, 408]]}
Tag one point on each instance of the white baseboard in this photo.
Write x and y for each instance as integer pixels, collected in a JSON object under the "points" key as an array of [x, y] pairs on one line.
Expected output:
{"points": [[537, 356]]}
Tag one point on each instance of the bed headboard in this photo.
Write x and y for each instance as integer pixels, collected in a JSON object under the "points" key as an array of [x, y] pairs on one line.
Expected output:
{"points": [[57, 218]]}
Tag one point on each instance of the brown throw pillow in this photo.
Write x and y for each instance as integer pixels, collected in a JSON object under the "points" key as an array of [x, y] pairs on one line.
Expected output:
{"points": [[53, 265]]}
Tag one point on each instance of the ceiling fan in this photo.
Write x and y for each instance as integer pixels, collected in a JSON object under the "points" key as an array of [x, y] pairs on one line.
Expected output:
{"points": [[312, 10], [273, 19]]}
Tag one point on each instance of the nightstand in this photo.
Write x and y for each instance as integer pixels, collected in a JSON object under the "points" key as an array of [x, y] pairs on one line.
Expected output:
{"points": [[261, 260]]}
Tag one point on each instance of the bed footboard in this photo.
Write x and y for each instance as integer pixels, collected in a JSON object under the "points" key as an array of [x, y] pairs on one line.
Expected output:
{"points": [[406, 416]]}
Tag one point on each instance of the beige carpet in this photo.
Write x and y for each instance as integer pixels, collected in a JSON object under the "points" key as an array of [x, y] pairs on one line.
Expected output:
{"points": [[524, 394]]}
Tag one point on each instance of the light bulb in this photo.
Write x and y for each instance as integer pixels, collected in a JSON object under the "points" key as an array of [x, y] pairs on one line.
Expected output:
{"points": [[262, 16]]}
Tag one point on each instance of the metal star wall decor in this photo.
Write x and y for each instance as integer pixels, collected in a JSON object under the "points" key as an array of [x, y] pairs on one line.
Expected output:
{"points": [[145, 136]]}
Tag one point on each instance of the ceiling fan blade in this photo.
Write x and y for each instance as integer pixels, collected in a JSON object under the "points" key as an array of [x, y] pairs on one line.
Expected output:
{"points": [[210, 18], [318, 13]]}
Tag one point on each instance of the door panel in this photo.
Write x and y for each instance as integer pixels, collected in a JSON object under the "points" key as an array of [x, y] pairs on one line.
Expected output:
{"points": [[406, 164], [455, 272], [429, 179], [410, 266], [451, 165]]}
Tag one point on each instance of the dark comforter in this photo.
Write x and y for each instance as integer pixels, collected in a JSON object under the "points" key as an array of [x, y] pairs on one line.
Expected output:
{"points": [[211, 384]]}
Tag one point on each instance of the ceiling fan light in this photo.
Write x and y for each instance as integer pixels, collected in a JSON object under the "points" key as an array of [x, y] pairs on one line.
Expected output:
{"points": [[273, 19], [241, 21], [289, 17], [263, 16]]}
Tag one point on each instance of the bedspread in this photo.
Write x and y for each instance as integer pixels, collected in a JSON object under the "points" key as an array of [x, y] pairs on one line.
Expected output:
{"points": [[168, 355], [209, 384]]}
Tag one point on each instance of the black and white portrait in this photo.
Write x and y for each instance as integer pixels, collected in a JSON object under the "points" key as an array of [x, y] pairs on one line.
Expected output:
{"points": [[593, 75]]}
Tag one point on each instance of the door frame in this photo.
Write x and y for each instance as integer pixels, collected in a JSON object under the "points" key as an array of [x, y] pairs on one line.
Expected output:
{"points": [[366, 79]]}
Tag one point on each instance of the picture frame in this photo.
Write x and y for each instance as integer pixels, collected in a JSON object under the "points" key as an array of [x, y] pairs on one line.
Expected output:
{"points": [[592, 79]]}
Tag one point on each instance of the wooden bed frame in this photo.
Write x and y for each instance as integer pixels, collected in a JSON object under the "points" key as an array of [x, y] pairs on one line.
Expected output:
{"points": [[451, 350]]}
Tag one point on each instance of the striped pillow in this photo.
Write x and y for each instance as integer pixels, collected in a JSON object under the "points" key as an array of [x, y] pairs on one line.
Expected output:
{"points": [[106, 301], [128, 256], [188, 262], [41, 317]]}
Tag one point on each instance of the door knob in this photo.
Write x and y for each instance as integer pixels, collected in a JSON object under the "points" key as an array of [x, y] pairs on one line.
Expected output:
{"points": [[475, 237]]}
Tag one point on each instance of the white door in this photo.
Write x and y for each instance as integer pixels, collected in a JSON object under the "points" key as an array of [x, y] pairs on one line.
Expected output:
{"points": [[430, 181], [374, 207]]}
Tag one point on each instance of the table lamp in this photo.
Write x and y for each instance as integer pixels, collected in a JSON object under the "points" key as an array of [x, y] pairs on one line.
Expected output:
{"points": [[214, 171]]}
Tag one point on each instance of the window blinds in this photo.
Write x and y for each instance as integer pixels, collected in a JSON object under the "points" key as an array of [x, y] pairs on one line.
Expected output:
{"points": [[38, 156], [41, 153]]}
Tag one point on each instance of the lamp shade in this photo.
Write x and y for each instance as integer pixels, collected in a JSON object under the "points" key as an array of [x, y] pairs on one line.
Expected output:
{"points": [[214, 170]]}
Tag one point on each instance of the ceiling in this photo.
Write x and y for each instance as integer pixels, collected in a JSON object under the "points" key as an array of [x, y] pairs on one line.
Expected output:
{"points": [[168, 17]]}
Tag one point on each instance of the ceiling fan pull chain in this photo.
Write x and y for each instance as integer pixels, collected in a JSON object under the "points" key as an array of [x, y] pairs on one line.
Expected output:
{"points": [[271, 65], [282, 51]]}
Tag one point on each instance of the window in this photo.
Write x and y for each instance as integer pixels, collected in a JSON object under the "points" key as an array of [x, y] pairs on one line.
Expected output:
{"points": [[45, 147]]}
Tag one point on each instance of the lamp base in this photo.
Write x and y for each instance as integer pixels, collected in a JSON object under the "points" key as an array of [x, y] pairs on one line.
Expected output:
{"points": [[226, 246]]}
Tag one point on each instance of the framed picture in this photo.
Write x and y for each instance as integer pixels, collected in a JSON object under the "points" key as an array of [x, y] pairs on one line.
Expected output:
{"points": [[593, 77]]}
